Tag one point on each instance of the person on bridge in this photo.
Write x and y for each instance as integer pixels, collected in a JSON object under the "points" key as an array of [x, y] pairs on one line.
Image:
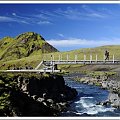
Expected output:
{"points": [[106, 55]]}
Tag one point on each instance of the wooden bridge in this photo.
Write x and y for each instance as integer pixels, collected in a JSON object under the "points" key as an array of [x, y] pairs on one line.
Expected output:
{"points": [[50, 66]]}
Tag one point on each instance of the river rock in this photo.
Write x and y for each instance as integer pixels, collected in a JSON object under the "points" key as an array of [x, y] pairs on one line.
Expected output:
{"points": [[114, 99], [104, 84], [104, 103], [111, 83]]}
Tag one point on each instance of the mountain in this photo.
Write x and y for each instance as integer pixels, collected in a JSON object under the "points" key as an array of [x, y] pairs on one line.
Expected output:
{"points": [[5, 43], [24, 45]]}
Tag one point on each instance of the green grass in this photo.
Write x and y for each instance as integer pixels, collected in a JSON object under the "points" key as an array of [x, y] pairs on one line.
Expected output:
{"points": [[27, 61], [101, 73], [34, 60], [5, 44], [15, 53], [99, 51], [25, 45]]}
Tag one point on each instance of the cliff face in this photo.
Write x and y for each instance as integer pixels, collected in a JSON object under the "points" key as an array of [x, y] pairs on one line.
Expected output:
{"points": [[37, 95]]}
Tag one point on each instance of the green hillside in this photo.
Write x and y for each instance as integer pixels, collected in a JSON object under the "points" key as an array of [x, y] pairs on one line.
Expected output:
{"points": [[5, 44], [28, 49], [24, 45], [34, 60], [99, 51]]}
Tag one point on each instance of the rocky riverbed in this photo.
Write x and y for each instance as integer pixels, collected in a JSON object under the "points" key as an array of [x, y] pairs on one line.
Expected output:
{"points": [[33, 95], [109, 81]]}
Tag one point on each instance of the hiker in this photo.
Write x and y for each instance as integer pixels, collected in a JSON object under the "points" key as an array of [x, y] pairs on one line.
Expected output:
{"points": [[106, 55]]}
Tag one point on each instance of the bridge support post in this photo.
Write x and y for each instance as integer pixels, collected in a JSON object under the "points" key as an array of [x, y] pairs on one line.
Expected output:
{"points": [[53, 67], [67, 57], [44, 71], [84, 58], [90, 58], [59, 57], [53, 58], [96, 57], [52, 63], [43, 58], [104, 58], [113, 59], [75, 58]]}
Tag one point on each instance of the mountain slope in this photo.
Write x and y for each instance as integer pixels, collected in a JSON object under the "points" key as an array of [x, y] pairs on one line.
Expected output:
{"points": [[25, 45], [5, 44]]}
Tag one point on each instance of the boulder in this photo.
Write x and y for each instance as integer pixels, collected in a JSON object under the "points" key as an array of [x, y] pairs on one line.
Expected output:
{"points": [[114, 99]]}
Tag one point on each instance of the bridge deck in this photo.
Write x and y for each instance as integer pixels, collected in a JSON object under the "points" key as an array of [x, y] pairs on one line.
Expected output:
{"points": [[108, 62], [29, 71], [51, 63]]}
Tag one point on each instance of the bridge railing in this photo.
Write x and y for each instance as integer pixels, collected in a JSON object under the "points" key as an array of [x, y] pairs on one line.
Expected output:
{"points": [[76, 57]]}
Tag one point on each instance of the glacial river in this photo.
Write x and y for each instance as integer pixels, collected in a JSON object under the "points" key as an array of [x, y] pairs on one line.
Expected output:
{"points": [[86, 103]]}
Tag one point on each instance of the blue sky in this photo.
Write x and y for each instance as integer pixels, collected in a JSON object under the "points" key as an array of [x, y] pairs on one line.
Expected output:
{"points": [[65, 26]]}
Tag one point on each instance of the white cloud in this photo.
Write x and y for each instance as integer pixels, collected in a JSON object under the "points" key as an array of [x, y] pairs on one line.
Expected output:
{"points": [[97, 15], [60, 34], [94, 13], [32, 19], [6, 19], [82, 13], [82, 42], [85, 13], [23, 20], [41, 16], [12, 19], [43, 22], [69, 13], [14, 14]]}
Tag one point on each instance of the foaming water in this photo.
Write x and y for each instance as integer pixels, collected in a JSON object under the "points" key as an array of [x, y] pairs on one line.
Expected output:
{"points": [[86, 103], [90, 107]]}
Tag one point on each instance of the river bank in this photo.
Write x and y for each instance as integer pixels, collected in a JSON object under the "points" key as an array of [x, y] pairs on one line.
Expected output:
{"points": [[106, 80], [86, 102], [34, 95]]}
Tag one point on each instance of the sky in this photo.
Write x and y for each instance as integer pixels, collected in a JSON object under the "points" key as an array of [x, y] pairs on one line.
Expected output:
{"points": [[65, 26]]}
